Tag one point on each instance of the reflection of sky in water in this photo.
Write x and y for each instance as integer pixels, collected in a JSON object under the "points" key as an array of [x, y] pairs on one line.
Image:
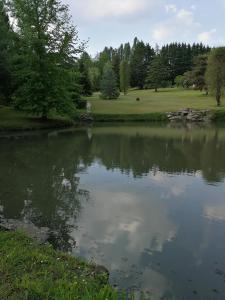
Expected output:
{"points": [[152, 231], [148, 203]]}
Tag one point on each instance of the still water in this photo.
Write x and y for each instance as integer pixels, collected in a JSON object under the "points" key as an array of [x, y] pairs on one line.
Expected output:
{"points": [[147, 202]]}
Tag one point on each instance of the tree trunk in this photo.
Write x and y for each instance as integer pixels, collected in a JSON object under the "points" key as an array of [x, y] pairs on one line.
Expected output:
{"points": [[218, 96], [156, 89]]}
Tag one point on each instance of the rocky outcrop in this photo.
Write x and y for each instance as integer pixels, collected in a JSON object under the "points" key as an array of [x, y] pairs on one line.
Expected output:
{"points": [[41, 235], [86, 118], [189, 115]]}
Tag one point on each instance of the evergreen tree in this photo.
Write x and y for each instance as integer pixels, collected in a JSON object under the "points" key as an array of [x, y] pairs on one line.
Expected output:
{"points": [[116, 64], [6, 47], [47, 47], [180, 57], [216, 73], [196, 77], [85, 81], [140, 59], [158, 73], [124, 77], [109, 88]]}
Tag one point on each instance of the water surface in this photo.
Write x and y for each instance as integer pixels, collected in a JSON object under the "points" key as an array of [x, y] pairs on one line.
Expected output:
{"points": [[148, 202]]}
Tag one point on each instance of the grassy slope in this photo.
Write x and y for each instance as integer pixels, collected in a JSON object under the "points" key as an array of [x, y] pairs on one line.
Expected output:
{"points": [[13, 120], [163, 101], [30, 271]]}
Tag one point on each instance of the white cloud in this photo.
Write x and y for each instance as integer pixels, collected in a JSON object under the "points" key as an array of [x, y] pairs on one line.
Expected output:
{"points": [[101, 9], [171, 8], [182, 23], [185, 16], [207, 36], [162, 32]]}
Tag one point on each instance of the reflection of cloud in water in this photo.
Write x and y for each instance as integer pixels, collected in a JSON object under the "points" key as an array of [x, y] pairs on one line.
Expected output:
{"points": [[120, 226], [157, 285], [216, 212], [175, 185]]}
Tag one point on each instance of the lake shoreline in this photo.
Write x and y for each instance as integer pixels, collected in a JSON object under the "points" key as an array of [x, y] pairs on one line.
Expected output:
{"points": [[34, 124], [25, 263]]}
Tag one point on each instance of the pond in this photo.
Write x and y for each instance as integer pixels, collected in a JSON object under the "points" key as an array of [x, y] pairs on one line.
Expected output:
{"points": [[146, 201]]}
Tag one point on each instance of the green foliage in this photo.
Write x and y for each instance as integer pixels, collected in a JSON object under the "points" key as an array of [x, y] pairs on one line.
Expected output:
{"points": [[216, 73], [196, 77], [124, 77], [158, 73], [85, 81], [46, 48], [95, 77], [180, 57], [179, 81], [109, 88], [6, 47], [141, 57]]}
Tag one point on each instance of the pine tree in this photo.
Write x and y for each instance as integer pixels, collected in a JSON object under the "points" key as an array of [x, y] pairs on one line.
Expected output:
{"points": [[124, 77], [109, 88], [85, 81], [158, 73], [140, 59]]}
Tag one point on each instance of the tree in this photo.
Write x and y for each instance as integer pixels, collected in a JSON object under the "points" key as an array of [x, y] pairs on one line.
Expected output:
{"points": [[124, 76], [6, 47], [158, 73], [179, 81], [216, 73], [109, 88], [180, 57], [139, 62], [95, 77], [47, 47], [85, 81], [196, 77]]}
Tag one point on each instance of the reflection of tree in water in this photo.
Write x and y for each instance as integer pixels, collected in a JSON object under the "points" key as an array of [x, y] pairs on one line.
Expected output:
{"points": [[40, 184], [140, 154], [39, 175]]}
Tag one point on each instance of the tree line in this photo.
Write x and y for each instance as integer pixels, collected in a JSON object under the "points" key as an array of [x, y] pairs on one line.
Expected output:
{"points": [[44, 68]]}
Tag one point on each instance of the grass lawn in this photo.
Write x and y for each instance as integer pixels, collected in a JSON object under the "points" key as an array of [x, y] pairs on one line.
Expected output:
{"points": [[13, 120], [165, 100]]}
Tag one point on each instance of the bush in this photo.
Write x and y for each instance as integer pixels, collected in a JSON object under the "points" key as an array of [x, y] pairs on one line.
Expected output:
{"points": [[81, 104]]}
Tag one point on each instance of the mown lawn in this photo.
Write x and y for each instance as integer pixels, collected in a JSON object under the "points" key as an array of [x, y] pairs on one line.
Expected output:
{"points": [[13, 120], [150, 102]]}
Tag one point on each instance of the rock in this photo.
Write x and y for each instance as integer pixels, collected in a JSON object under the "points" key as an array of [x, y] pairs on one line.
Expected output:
{"points": [[41, 235], [189, 115], [86, 118]]}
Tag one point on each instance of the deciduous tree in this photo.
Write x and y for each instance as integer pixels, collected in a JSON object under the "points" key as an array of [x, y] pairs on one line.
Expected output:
{"points": [[47, 46], [216, 73]]}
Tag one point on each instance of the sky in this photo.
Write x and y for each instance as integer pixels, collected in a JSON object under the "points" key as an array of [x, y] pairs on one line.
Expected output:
{"points": [[112, 22]]}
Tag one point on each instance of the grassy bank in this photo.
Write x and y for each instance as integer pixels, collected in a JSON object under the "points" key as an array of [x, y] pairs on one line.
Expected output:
{"points": [[152, 106], [15, 121], [30, 271]]}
